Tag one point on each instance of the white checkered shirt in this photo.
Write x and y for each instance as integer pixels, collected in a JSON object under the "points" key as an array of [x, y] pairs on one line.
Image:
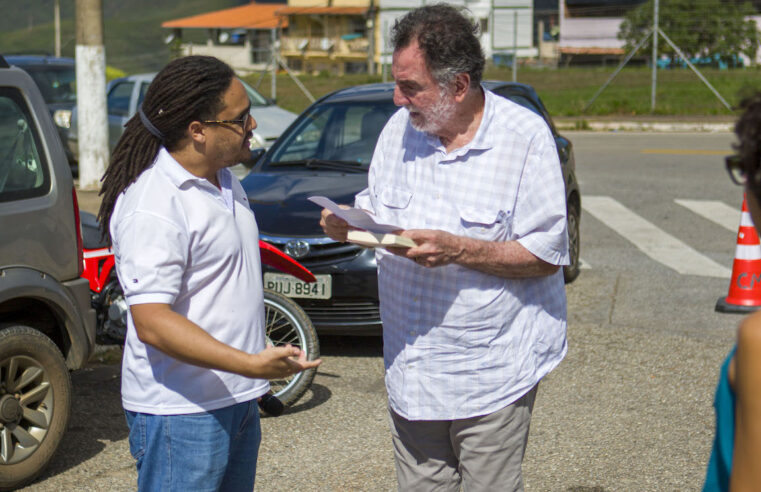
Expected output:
{"points": [[459, 343]]}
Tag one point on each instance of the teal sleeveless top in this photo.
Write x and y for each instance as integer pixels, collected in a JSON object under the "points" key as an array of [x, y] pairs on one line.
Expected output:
{"points": [[720, 463]]}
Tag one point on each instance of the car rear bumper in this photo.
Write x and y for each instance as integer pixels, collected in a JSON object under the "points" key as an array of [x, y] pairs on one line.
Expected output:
{"points": [[83, 339]]}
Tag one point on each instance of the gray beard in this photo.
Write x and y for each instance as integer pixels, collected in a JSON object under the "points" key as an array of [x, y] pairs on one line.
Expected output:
{"points": [[435, 118]]}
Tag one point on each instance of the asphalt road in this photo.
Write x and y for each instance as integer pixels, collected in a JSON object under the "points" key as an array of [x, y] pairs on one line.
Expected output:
{"points": [[629, 408]]}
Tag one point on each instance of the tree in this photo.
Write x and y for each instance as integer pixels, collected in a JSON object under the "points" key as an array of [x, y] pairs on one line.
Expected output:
{"points": [[715, 29]]}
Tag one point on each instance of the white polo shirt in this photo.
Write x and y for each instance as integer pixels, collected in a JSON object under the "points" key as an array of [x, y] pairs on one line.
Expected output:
{"points": [[180, 240]]}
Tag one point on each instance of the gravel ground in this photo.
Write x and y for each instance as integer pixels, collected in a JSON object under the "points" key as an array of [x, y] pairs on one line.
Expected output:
{"points": [[628, 409]]}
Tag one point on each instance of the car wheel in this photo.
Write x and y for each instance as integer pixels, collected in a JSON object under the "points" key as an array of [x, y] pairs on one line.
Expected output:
{"points": [[285, 323], [35, 401], [570, 272]]}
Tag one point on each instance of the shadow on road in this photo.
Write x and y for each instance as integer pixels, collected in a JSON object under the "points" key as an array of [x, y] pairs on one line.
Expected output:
{"points": [[351, 346], [96, 417]]}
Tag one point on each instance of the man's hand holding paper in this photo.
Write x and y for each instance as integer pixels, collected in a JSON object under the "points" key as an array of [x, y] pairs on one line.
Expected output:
{"points": [[343, 223]]}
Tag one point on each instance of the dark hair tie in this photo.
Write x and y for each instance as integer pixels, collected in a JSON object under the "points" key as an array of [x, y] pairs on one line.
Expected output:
{"points": [[148, 125]]}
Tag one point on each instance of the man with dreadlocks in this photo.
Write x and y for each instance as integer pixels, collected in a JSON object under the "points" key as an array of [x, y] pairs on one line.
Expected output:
{"points": [[186, 249]]}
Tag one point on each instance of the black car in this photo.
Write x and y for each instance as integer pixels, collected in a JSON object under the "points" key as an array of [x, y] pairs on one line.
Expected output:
{"points": [[56, 79], [327, 151]]}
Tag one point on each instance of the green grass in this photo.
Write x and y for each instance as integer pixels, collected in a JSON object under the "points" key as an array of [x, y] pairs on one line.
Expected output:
{"points": [[133, 36], [134, 43], [566, 91]]}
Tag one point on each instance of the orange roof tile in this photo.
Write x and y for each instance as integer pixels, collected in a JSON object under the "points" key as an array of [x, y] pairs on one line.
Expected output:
{"points": [[323, 10], [251, 16]]}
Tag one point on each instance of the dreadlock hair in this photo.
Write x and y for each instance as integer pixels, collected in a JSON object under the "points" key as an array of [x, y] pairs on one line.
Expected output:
{"points": [[748, 131], [447, 38], [185, 90]]}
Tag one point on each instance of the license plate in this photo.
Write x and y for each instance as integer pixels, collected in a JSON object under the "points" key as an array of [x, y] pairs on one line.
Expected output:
{"points": [[290, 286]]}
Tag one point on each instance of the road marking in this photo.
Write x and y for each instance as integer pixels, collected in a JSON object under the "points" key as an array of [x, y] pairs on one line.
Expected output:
{"points": [[717, 212], [651, 240], [684, 152]]}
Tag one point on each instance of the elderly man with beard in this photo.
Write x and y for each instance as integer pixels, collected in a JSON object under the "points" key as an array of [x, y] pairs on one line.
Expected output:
{"points": [[475, 314]]}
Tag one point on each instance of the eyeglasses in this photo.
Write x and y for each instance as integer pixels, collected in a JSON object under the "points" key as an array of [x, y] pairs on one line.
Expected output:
{"points": [[736, 169], [242, 121]]}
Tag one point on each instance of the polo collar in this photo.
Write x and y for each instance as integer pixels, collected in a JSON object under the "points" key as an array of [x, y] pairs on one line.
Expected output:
{"points": [[177, 174]]}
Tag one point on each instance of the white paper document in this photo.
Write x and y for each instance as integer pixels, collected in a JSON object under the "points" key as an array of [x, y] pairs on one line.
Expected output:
{"points": [[354, 216]]}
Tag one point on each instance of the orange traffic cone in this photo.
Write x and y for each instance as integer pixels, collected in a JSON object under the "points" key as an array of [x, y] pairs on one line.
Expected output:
{"points": [[745, 288]]}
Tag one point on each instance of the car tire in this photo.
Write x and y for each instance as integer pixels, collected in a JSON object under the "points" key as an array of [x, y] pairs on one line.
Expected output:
{"points": [[286, 322], [570, 272], [35, 403]]}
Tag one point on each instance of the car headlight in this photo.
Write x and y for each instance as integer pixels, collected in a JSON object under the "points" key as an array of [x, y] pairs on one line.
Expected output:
{"points": [[62, 118]]}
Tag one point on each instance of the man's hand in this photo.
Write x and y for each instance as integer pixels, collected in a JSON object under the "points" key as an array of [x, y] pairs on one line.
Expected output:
{"points": [[507, 259], [434, 248], [281, 362], [335, 227]]}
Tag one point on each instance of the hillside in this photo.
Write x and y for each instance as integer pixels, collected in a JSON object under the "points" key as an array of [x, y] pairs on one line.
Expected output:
{"points": [[132, 28]]}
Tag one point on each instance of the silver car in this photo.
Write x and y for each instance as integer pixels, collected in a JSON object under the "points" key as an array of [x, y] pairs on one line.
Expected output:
{"points": [[124, 96]]}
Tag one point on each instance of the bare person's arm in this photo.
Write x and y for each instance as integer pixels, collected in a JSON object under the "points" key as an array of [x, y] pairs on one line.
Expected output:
{"points": [[745, 377], [504, 259], [157, 325]]}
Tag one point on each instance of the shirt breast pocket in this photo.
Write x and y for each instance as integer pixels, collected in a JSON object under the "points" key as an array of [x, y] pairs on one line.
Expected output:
{"points": [[395, 203], [485, 224]]}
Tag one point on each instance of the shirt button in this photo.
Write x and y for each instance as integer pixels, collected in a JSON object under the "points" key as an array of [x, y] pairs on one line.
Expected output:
{"points": [[413, 333], [414, 299]]}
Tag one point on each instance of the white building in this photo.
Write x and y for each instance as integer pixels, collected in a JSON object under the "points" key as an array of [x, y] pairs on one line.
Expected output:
{"points": [[506, 25]]}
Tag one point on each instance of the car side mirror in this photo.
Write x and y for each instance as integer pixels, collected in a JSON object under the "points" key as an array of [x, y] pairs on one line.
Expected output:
{"points": [[256, 154]]}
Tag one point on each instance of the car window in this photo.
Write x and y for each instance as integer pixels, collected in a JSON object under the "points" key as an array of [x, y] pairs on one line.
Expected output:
{"points": [[56, 83], [254, 96], [118, 98], [143, 90], [23, 172], [337, 132]]}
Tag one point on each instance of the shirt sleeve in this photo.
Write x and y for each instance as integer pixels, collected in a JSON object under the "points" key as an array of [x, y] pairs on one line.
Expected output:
{"points": [[151, 256], [540, 211]]}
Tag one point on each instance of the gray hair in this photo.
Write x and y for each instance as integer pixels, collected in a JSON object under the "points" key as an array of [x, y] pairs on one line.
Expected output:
{"points": [[448, 39]]}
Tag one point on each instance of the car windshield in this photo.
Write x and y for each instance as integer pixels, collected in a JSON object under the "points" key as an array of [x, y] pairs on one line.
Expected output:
{"points": [[56, 83], [343, 132], [256, 98]]}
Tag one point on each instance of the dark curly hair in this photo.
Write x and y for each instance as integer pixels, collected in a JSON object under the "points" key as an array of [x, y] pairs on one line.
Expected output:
{"points": [[447, 38], [185, 90], [748, 131]]}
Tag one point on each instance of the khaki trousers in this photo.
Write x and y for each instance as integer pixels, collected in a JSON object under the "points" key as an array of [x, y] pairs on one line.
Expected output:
{"points": [[480, 453]]}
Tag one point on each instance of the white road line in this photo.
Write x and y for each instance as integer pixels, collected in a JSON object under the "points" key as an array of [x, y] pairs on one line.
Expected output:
{"points": [[717, 212], [651, 240]]}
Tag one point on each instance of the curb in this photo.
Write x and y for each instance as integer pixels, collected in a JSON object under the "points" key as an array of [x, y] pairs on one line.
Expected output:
{"points": [[643, 126]]}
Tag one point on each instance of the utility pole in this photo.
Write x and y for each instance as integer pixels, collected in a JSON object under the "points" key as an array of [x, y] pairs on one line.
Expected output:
{"points": [[370, 24], [515, 46], [91, 94], [273, 62], [57, 23], [655, 57]]}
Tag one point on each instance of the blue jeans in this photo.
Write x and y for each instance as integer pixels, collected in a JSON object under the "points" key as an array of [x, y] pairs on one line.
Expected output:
{"points": [[207, 451]]}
